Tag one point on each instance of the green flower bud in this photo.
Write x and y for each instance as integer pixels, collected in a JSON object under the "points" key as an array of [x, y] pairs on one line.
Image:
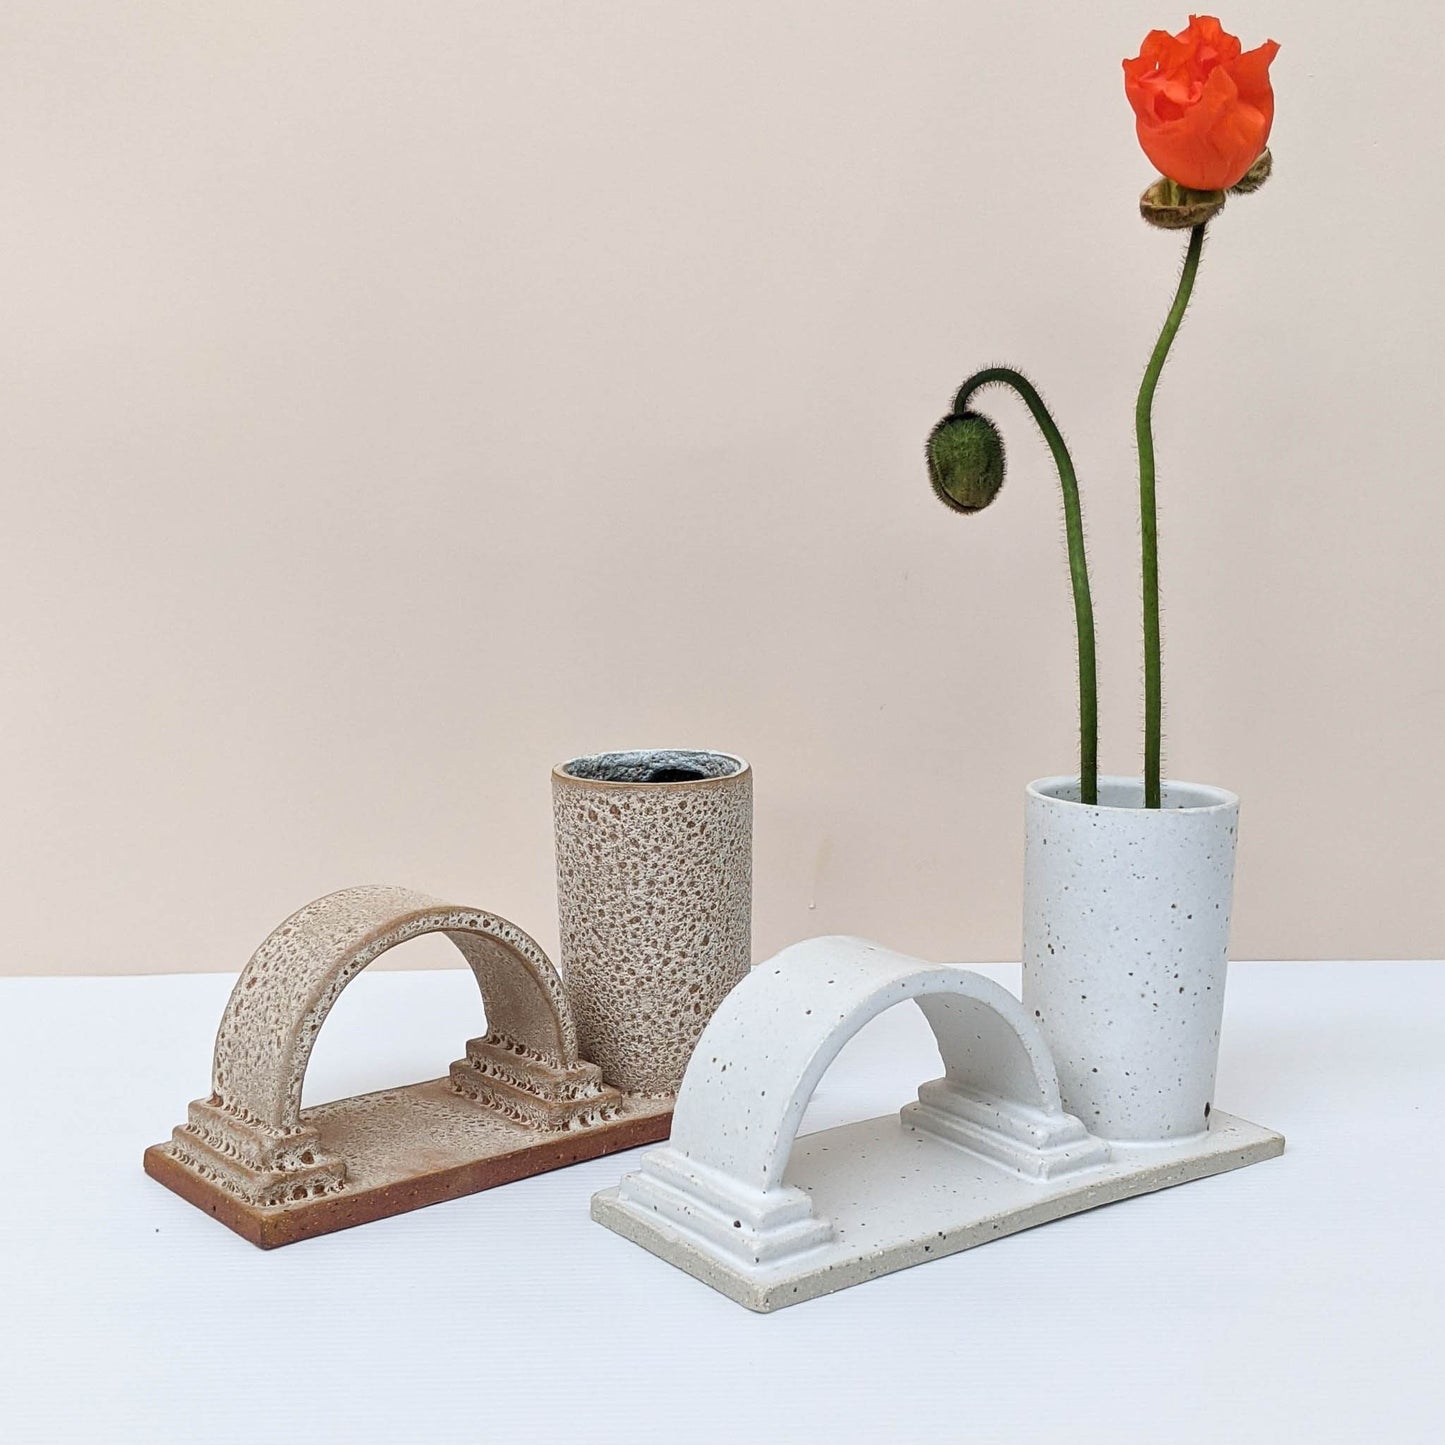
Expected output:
{"points": [[1173, 207], [965, 461], [1256, 175]]}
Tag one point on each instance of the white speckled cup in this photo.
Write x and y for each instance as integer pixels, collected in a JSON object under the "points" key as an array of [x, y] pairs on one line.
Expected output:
{"points": [[1126, 941], [654, 899]]}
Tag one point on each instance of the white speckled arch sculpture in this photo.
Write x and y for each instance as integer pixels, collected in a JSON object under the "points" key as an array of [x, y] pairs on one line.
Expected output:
{"points": [[744, 1095], [770, 1042], [738, 1200]]}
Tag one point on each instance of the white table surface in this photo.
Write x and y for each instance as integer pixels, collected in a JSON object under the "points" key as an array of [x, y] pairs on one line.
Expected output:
{"points": [[1301, 1300]]}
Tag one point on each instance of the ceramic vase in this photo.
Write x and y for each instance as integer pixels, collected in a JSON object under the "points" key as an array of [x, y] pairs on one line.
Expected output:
{"points": [[654, 896], [1126, 937]]}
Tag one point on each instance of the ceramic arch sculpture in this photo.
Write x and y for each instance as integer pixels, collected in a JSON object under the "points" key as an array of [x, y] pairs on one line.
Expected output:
{"points": [[521, 1101], [770, 1220]]}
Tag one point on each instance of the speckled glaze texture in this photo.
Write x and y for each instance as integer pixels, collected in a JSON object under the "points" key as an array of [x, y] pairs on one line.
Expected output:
{"points": [[1125, 945], [737, 1199], [654, 895]]}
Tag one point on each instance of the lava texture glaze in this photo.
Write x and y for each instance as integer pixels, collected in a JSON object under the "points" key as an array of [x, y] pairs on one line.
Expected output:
{"points": [[654, 892], [1126, 940], [251, 1140]]}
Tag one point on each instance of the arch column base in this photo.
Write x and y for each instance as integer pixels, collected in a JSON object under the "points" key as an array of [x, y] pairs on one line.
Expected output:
{"points": [[503, 1076], [753, 1227], [259, 1165], [1031, 1143]]}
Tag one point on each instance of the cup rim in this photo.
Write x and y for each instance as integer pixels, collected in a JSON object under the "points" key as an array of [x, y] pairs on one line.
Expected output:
{"points": [[1219, 800], [740, 769]]}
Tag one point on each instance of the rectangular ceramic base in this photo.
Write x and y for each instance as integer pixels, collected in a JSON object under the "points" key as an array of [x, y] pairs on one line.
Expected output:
{"points": [[897, 1196], [406, 1148]]}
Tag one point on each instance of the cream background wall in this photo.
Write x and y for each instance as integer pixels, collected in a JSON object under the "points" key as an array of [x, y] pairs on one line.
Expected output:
{"points": [[398, 399]]}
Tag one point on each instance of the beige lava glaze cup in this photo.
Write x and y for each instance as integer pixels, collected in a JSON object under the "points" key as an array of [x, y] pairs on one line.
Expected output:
{"points": [[654, 899]]}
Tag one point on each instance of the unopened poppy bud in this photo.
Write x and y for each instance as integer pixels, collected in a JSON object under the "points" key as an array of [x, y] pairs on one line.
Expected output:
{"points": [[1255, 176], [965, 461], [1173, 207]]}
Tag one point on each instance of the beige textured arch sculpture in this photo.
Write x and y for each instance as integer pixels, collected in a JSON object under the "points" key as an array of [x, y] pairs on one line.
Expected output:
{"points": [[521, 1101]]}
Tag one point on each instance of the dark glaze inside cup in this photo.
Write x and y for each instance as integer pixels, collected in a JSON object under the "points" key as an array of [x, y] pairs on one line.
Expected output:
{"points": [[654, 765]]}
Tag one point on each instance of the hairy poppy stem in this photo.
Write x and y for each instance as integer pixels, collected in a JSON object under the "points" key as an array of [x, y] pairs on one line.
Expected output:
{"points": [[1149, 523], [1078, 564]]}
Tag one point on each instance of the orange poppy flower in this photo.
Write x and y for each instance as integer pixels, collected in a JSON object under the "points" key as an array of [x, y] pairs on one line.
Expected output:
{"points": [[1203, 109]]}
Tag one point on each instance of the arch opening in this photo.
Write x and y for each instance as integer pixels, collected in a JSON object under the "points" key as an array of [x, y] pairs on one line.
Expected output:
{"points": [[384, 1031], [982, 1043], [877, 1071]]}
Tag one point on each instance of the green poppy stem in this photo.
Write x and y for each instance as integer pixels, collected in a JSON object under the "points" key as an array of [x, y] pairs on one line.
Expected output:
{"points": [[1149, 524], [1078, 564]]}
